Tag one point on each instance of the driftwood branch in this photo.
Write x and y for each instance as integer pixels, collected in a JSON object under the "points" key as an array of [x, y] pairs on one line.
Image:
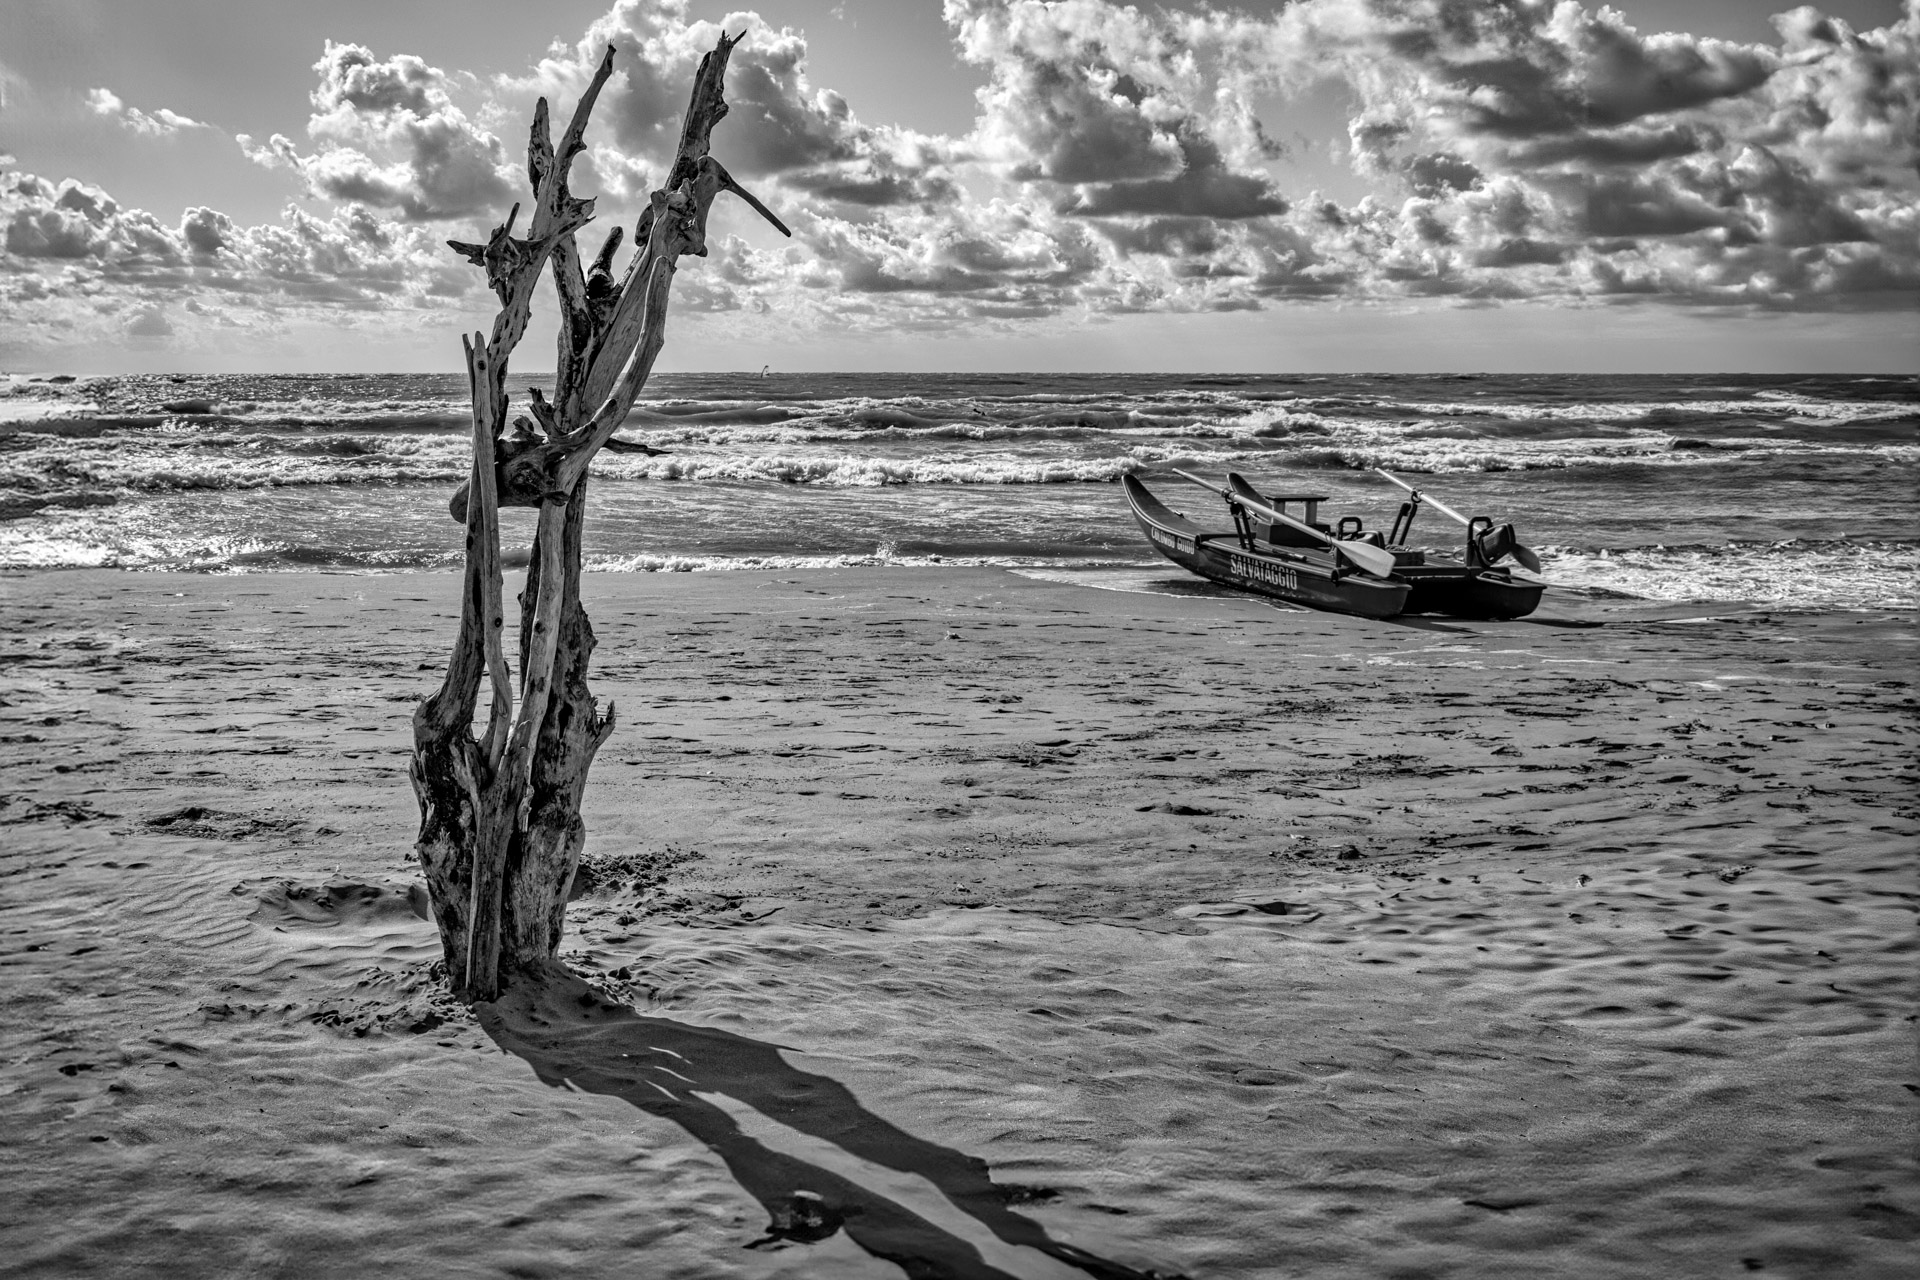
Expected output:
{"points": [[500, 834], [606, 331]]}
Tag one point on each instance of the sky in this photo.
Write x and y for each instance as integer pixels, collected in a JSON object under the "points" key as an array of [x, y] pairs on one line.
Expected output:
{"points": [[978, 185]]}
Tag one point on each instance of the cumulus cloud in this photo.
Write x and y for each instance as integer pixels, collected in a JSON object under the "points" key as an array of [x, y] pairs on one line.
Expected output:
{"points": [[159, 124], [388, 135], [1662, 164], [150, 322], [78, 262], [1143, 113], [780, 128]]}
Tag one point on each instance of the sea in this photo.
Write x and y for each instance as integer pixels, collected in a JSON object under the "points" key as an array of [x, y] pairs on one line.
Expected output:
{"points": [[1782, 490]]}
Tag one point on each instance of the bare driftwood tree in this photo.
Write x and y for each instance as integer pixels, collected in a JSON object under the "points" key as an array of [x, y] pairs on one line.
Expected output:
{"points": [[500, 829]]}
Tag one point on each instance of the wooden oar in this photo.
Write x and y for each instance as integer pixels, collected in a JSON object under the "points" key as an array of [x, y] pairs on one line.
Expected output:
{"points": [[1524, 555], [1368, 559]]}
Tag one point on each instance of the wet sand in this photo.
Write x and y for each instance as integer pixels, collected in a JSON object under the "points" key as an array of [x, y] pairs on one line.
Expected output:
{"points": [[1236, 940]]}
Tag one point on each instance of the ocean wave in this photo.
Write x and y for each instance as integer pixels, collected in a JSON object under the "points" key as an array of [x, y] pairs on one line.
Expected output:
{"points": [[721, 412], [1453, 457], [1793, 574], [38, 470], [87, 548], [1803, 409], [179, 545], [975, 431], [866, 471], [21, 413], [346, 405], [56, 469]]}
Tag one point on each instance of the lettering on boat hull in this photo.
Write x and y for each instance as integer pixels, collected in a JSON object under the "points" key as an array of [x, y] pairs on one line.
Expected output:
{"points": [[1273, 575], [1168, 538]]}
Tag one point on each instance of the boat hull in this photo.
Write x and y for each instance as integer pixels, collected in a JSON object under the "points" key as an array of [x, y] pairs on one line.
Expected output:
{"points": [[1305, 577], [1461, 592]]}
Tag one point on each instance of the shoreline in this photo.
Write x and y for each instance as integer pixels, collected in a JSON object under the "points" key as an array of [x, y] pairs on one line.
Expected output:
{"points": [[1141, 575], [1263, 941]]}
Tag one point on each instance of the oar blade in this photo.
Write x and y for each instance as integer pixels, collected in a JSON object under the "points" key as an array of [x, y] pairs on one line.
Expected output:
{"points": [[1497, 543], [1372, 559]]}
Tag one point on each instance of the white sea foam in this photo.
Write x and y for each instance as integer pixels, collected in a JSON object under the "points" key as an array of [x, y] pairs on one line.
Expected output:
{"points": [[867, 471], [1764, 405], [181, 457], [81, 546], [645, 563], [1790, 574], [1445, 456]]}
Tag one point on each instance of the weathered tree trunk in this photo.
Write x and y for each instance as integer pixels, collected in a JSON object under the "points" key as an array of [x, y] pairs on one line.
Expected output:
{"points": [[500, 830]]}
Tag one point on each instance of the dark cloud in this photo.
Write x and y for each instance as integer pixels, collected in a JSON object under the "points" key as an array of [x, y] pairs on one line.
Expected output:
{"points": [[873, 185], [1517, 69], [1074, 124], [1788, 206], [1521, 252], [775, 124], [1636, 206], [48, 233], [1166, 237], [1285, 261], [1436, 173], [1204, 188], [206, 231], [1616, 147]]}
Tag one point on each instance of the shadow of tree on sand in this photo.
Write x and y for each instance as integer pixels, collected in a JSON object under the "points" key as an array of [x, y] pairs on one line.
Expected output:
{"points": [[716, 1085]]}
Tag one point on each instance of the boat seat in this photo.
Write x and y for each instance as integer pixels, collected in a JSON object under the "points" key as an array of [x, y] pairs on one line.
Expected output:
{"points": [[1350, 531], [1282, 535], [1309, 502]]}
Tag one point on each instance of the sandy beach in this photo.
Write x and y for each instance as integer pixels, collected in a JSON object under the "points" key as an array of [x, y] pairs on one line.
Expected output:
{"points": [[1238, 941]]}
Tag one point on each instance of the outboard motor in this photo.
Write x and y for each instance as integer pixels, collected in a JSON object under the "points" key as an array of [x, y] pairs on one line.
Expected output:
{"points": [[1486, 544]]}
